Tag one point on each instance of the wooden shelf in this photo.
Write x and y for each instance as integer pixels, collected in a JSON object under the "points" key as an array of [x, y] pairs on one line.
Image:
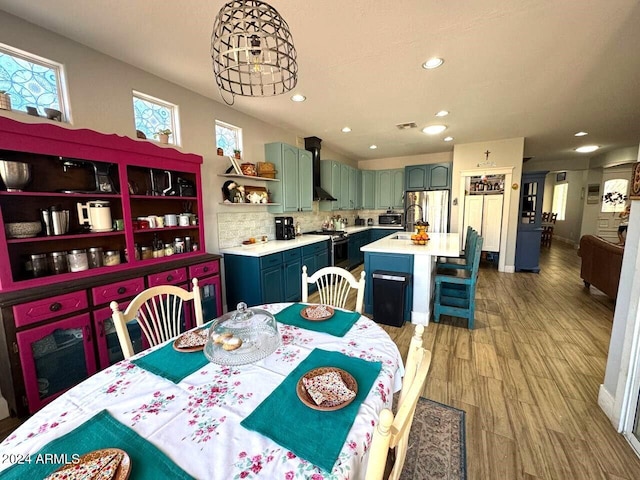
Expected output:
{"points": [[251, 177], [70, 236], [229, 204]]}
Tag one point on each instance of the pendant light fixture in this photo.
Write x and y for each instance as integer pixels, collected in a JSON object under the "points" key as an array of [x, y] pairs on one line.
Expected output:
{"points": [[252, 51]]}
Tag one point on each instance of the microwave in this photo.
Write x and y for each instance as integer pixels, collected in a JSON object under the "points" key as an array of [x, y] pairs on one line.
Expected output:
{"points": [[390, 219]]}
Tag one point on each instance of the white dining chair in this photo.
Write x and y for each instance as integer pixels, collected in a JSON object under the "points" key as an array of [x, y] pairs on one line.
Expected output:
{"points": [[392, 432], [159, 312], [334, 285]]}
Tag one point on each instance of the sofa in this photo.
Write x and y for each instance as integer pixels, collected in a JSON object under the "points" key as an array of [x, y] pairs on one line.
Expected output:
{"points": [[601, 264]]}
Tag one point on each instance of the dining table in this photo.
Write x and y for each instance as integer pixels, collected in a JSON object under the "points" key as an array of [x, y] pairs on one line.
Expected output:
{"points": [[178, 415]]}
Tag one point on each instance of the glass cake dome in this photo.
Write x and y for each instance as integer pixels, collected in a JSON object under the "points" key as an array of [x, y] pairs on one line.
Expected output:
{"points": [[243, 336]]}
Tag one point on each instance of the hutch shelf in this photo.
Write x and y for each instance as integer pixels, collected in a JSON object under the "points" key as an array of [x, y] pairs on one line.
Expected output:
{"points": [[55, 323]]}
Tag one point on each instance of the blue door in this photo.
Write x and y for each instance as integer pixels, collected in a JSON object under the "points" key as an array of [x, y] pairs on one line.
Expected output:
{"points": [[530, 222]]}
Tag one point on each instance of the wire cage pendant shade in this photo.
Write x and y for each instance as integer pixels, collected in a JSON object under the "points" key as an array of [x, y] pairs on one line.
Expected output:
{"points": [[252, 51]]}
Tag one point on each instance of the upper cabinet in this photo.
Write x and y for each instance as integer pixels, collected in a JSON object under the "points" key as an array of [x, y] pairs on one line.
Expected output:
{"points": [[295, 169], [389, 189], [93, 200], [341, 181], [368, 189], [434, 176]]}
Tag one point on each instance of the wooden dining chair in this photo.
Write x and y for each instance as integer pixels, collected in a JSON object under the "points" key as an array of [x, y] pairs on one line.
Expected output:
{"points": [[160, 313], [392, 432], [334, 285]]}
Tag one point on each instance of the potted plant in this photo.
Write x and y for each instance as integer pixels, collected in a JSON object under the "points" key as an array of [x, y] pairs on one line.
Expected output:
{"points": [[5, 100], [236, 153], [163, 135]]}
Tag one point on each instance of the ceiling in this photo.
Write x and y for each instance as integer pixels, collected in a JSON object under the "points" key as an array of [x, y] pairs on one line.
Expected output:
{"points": [[539, 69]]}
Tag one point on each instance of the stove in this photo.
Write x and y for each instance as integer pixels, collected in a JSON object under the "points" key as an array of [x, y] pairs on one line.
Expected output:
{"points": [[339, 246], [336, 235]]}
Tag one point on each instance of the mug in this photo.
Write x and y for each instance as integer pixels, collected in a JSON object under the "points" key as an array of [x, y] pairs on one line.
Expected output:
{"points": [[171, 220], [152, 221], [184, 219], [159, 221], [118, 224]]}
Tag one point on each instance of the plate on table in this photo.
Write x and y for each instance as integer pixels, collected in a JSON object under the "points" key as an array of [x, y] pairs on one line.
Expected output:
{"points": [[193, 341], [317, 313], [336, 397], [106, 464]]}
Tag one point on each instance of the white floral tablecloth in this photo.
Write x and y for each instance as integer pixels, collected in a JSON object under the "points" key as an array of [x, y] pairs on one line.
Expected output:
{"points": [[196, 422]]}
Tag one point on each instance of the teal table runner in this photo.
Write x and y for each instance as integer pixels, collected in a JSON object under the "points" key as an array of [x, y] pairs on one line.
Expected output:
{"points": [[102, 431], [316, 436], [338, 325], [167, 362]]}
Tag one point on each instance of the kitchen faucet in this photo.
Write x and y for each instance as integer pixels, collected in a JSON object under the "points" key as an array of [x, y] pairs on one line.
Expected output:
{"points": [[406, 210]]}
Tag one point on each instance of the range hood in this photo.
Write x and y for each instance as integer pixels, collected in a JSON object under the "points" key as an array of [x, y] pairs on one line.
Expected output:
{"points": [[313, 145]]}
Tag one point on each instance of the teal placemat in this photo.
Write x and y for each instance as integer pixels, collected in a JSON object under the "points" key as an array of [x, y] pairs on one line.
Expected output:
{"points": [[338, 325], [102, 431], [316, 436], [167, 362]]}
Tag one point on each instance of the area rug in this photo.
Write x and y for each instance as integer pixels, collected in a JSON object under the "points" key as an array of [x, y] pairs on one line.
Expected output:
{"points": [[436, 444]]}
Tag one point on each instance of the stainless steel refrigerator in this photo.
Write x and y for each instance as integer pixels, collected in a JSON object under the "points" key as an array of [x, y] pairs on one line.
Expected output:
{"points": [[430, 206]]}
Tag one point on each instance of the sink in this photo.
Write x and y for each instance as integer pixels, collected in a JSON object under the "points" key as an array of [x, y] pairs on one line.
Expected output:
{"points": [[402, 236]]}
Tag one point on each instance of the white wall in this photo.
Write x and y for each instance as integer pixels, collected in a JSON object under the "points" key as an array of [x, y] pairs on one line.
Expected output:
{"points": [[568, 229], [401, 162], [504, 153]]}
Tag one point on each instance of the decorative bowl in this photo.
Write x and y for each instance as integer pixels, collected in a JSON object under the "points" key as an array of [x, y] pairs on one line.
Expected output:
{"points": [[15, 175], [53, 114], [23, 229]]}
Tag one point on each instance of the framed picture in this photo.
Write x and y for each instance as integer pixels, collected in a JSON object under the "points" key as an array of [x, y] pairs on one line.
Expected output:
{"points": [[593, 193], [235, 165], [634, 191], [561, 177]]}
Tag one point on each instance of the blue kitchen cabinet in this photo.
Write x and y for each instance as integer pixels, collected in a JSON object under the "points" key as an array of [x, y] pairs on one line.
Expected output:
{"points": [[390, 188], [330, 180], [378, 233], [343, 198], [394, 262], [433, 176], [294, 192], [358, 188], [368, 189], [292, 274], [315, 257], [356, 242], [440, 176]]}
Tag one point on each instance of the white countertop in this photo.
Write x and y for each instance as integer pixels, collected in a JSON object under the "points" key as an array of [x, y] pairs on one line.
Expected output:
{"points": [[439, 244]]}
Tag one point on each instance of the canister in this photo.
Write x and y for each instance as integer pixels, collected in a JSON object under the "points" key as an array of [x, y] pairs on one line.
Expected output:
{"points": [[96, 258], [58, 262], [111, 257], [146, 253], [168, 249], [178, 245], [78, 260], [39, 264], [187, 244]]}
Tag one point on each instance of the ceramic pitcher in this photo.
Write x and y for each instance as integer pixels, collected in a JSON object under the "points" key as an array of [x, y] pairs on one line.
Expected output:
{"points": [[96, 214]]}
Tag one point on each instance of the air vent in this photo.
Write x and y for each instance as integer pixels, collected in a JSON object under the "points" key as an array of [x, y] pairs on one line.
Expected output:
{"points": [[406, 126]]}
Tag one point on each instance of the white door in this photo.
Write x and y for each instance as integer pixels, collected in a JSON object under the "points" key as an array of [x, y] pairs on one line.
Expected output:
{"points": [[473, 213], [492, 223]]}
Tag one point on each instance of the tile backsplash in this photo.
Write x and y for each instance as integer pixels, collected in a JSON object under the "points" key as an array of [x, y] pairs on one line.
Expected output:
{"points": [[234, 227]]}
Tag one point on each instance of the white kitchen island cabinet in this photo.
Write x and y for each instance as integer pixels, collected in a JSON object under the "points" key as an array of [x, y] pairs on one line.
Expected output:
{"points": [[396, 252]]}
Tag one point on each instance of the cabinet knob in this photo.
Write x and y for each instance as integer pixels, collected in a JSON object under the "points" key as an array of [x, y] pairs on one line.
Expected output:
{"points": [[169, 278], [54, 307], [205, 269], [121, 290]]}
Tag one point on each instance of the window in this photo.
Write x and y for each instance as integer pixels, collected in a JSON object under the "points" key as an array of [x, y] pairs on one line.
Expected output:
{"points": [[152, 115], [32, 81], [228, 137], [560, 200], [615, 195]]}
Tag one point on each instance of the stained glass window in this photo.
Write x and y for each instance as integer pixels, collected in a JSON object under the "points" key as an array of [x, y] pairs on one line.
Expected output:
{"points": [[153, 115], [615, 195], [228, 137], [31, 81]]}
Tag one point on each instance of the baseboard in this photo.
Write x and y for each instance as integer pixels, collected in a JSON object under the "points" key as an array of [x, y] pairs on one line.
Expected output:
{"points": [[607, 404], [509, 269], [4, 408]]}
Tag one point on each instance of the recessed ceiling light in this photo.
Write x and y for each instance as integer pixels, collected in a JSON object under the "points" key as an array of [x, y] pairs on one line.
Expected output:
{"points": [[587, 148], [580, 134], [373, 147], [346, 130], [298, 97], [432, 63], [447, 139], [442, 113], [434, 129]]}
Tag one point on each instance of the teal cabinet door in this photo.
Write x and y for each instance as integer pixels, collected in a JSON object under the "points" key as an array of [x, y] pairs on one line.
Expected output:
{"points": [[384, 187], [358, 188], [417, 177], [440, 176], [368, 189], [397, 186], [292, 274], [343, 199], [272, 287], [353, 188], [290, 178], [305, 176], [330, 180], [294, 192]]}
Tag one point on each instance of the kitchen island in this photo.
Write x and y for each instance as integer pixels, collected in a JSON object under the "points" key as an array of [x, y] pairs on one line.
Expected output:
{"points": [[396, 252]]}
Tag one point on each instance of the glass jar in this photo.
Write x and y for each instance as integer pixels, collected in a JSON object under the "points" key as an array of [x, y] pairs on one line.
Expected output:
{"points": [[58, 262], [111, 257], [96, 257], [187, 244], [158, 247], [178, 245], [78, 260], [39, 265], [146, 253], [168, 249]]}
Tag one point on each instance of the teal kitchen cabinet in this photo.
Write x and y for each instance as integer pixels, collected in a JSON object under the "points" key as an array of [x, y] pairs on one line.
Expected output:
{"points": [[294, 193], [353, 187], [343, 199], [368, 189], [356, 242], [268, 279], [358, 186], [378, 233], [435, 176], [390, 188], [330, 181], [315, 257], [394, 262]]}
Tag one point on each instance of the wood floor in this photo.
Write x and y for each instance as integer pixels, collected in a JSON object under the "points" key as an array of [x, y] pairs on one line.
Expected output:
{"points": [[527, 376]]}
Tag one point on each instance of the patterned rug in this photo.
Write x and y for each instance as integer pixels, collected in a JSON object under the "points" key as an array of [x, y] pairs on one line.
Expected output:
{"points": [[437, 448]]}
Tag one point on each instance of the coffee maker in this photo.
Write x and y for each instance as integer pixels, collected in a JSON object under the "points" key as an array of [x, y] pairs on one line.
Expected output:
{"points": [[285, 229]]}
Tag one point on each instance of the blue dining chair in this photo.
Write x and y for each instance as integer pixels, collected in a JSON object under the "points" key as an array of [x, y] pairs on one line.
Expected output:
{"points": [[464, 262]]}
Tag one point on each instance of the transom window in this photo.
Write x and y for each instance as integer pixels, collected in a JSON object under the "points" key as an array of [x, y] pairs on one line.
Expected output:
{"points": [[615, 195], [228, 137], [153, 116], [32, 81]]}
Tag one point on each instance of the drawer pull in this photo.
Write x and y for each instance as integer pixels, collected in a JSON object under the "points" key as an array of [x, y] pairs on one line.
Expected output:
{"points": [[169, 278], [205, 269], [54, 307], [87, 330], [121, 290]]}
